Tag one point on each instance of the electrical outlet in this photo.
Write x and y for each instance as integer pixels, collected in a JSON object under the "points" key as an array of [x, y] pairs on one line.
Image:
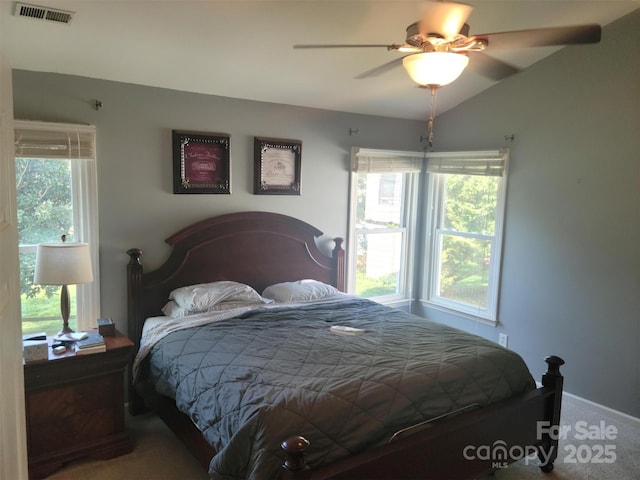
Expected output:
{"points": [[503, 339]]}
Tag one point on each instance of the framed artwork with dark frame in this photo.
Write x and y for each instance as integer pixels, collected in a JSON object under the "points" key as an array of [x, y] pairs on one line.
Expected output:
{"points": [[201, 162], [277, 164]]}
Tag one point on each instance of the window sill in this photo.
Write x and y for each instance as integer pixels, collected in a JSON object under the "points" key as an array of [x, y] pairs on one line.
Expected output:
{"points": [[460, 314], [393, 302]]}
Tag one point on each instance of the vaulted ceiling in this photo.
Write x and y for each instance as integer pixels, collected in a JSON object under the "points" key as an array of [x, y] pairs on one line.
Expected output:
{"points": [[244, 49]]}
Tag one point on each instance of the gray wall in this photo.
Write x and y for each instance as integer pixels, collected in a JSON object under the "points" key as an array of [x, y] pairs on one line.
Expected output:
{"points": [[571, 259], [571, 263], [137, 206]]}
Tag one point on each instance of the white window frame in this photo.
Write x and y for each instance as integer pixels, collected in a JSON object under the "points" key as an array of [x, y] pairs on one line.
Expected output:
{"points": [[439, 164], [387, 161], [76, 143]]}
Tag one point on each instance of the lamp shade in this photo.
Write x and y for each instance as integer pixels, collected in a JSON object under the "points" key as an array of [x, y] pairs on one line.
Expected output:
{"points": [[435, 68], [63, 264]]}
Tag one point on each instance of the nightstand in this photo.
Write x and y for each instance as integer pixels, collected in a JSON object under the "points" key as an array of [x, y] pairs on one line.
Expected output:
{"points": [[75, 407]]}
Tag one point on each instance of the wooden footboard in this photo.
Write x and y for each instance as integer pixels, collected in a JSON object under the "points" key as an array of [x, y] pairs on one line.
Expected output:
{"points": [[465, 446]]}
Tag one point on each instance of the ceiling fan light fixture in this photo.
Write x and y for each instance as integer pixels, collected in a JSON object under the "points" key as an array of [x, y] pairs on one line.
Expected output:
{"points": [[435, 69]]}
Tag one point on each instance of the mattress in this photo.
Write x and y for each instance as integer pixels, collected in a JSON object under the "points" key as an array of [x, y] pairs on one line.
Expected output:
{"points": [[251, 381]]}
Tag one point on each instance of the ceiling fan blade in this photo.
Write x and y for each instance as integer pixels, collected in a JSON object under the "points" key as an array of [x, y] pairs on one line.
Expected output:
{"points": [[542, 37], [390, 47], [385, 67], [490, 67]]}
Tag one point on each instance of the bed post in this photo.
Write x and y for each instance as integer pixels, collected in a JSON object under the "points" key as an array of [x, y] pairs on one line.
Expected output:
{"points": [[338, 257], [294, 466], [134, 320], [552, 379]]}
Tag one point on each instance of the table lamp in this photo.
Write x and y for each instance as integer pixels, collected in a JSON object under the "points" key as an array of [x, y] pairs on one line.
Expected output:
{"points": [[63, 264]]}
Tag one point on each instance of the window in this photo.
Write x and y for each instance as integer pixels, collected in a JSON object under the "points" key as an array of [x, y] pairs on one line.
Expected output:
{"points": [[382, 215], [56, 192], [465, 211]]}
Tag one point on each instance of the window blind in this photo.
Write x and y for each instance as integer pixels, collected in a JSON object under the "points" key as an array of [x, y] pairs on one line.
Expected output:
{"points": [[385, 161], [54, 140], [487, 163]]}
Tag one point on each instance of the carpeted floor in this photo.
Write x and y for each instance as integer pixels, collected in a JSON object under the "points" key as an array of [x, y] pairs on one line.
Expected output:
{"points": [[158, 455], [580, 458]]}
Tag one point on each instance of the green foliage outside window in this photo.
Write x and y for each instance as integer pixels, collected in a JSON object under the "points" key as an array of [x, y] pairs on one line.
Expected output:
{"points": [[473, 204], [369, 287], [467, 225], [470, 207], [44, 207]]}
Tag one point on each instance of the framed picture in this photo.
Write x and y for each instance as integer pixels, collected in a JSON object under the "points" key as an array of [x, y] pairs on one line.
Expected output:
{"points": [[201, 162], [276, 166]]}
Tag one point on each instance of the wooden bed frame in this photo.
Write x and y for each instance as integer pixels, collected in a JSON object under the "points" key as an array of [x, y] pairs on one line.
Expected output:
{"points": [[260, 249]]}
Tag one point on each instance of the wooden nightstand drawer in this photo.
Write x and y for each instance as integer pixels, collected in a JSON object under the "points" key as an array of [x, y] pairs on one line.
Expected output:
{"points": [[75, 407], [92, 396], [50, 405]]}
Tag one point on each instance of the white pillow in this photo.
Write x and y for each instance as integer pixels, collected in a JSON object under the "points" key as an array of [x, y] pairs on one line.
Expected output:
{"points": [[300, 291], [172, 310], [205, 296]]}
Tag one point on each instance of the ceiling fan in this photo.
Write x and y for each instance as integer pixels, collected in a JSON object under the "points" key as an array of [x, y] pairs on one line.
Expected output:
{"points": [[440, 48], [442, 29]]}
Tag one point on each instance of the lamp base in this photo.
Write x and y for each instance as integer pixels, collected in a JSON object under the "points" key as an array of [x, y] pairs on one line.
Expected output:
{"points": [[65, 330], [65, 308]]}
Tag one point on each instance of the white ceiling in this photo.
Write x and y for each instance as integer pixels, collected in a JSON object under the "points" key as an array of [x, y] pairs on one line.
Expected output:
{"points": [[243, 49]]}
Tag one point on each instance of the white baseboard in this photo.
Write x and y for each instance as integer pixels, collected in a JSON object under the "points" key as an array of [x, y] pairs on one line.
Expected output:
{"points": [[605, 410], [598, 407]]}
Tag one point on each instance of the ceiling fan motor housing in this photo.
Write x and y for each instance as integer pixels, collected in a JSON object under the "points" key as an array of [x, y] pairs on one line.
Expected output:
{"points": [[428, 41]]}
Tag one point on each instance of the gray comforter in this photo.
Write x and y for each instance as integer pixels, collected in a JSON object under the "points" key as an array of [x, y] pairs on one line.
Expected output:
{"points": [[250, 382]]}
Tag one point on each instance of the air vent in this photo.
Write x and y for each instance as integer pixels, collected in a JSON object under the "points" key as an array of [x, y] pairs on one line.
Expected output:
{"points": [[42, 13]]}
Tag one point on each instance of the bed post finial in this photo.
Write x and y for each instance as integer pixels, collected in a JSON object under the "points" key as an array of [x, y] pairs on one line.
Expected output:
{"points": [[552, 379], [134, 255], [338, 257], [294, 466], [553, 367], [135, 318]]}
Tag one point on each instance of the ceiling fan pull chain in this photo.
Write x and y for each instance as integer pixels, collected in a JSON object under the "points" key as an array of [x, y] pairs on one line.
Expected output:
{"points": [[431, 116]]}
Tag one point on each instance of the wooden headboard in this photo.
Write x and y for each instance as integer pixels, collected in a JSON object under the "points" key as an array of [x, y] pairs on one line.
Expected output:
{"points": [[255, 248]]}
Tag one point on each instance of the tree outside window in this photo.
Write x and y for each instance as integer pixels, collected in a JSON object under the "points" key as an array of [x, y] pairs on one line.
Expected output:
{"points": [[45, 213]]}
